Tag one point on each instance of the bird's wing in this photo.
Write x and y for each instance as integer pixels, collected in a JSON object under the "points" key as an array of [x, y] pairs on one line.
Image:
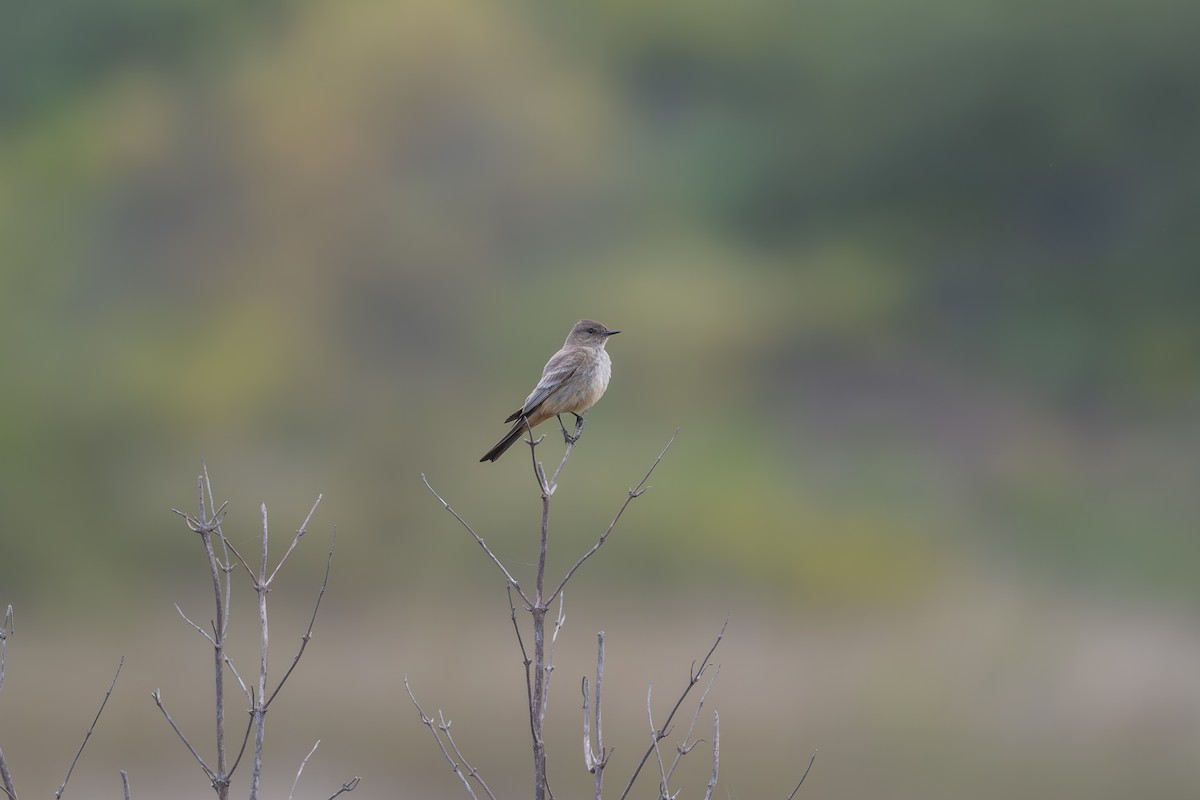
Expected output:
{"points": [[559, 369]]}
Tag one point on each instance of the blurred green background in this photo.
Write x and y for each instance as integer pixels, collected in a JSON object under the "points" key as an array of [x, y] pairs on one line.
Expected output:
{"points": [[917, 281]]}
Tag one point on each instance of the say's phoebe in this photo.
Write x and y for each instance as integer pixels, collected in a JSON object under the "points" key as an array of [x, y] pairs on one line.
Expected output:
{"points": [[572, 381]]}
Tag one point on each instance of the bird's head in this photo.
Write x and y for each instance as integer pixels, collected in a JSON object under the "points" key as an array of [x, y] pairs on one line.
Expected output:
{"points": [[589, 333]]}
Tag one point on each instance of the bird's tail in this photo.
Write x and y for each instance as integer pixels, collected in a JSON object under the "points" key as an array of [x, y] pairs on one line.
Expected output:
{"points": [[508, 441]]}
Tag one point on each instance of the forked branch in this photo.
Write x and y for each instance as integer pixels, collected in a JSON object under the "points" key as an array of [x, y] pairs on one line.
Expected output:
{"points": [[443, 729], [258, 694], [694, 675]]}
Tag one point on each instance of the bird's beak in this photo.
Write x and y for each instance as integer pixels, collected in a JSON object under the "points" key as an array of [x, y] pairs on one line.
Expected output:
{"points": [[611, 333]]}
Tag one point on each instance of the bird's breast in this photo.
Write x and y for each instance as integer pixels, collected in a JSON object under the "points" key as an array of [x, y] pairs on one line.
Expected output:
{"points": [[583, 389], [597, 383]]}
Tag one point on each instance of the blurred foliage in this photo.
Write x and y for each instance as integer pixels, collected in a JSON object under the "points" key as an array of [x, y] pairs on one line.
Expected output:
{"points": [[915, 279]]}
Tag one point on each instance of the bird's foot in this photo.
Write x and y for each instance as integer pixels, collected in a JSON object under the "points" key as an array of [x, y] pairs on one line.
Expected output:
{"points": [[568, 438]]}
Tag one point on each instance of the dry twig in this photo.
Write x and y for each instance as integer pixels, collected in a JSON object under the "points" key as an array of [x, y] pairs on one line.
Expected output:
{"points": [[595, 760], [712, 781], [811, 759], [6, 630], [62, 788], [508, 575], [634, 493], [207, 523], [539, 660], [444, 726], [685, 748], [300, 771], [693, 678], [348, 786]]}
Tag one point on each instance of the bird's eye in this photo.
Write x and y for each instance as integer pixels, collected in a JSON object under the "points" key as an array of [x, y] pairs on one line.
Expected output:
{"points": [[591, 330]]}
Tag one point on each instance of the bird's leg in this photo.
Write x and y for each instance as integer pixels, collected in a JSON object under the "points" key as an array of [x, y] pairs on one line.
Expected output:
{"points": [[568, 438], [578, 425]]}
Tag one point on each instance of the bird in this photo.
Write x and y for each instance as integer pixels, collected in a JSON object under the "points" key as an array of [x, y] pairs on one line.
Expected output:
{"points": [[572, 381]]}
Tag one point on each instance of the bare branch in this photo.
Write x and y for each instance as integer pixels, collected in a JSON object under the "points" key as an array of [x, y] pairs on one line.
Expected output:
{"points": [[199, 630], [245, 736], [811, 759], [589, 761], [259, 708], [664, 792], [599, 703], [539, 474], [685, 748], [203, 524], [634, 493], [63, 787], [313, 620], [524, 659], [206, 524], [226, 565], [295, 540], [538, 623], [245, 564], [299, 772], [598, 760], [444, 726], [712, 781], [428, 723], [693, 677], [511, 580], [6, 779], [348, 786], [578, 430], [212, 776], [6, 630], [245, 689], [559, 621], [125, 783]]}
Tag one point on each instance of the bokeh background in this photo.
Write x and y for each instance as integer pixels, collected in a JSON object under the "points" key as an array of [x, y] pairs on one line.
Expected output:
{"points": [[917, 282]]}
